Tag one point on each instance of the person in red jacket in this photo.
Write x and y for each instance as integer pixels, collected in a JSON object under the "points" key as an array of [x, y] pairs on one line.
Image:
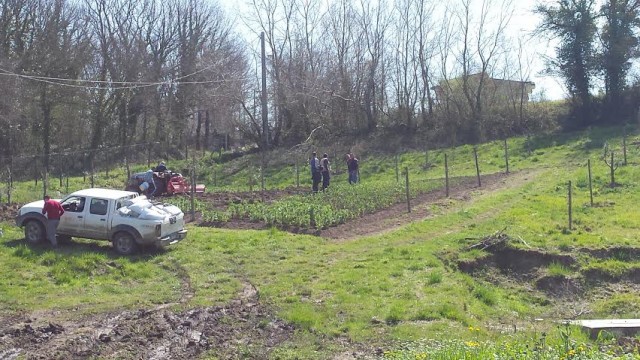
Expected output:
{"points": [[53, 210]]}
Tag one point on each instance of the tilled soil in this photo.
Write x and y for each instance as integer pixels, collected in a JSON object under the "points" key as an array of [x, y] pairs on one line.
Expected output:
{"points": [[461, 189]]}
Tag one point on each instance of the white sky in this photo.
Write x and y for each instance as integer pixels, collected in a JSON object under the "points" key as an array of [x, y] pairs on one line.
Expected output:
{"points": [[523, 22]]}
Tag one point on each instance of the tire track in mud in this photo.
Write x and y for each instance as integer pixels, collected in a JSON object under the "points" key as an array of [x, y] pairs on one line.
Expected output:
{"points": [[228, 330], [186, 291]]}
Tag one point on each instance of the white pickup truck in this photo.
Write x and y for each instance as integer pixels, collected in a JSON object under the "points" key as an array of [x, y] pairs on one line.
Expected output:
{"points": [[123, 217]]}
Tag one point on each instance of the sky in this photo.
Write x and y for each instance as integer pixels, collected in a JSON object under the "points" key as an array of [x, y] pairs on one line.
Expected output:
{"points": [[522, 23]]}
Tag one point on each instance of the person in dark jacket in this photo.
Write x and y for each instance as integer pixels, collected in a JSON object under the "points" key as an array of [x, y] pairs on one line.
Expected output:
{"points": [[352, 166], [161, 167]]}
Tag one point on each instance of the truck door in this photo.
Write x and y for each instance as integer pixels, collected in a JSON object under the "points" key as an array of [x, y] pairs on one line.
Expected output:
{"points": [[96, 223], [72, 221]]}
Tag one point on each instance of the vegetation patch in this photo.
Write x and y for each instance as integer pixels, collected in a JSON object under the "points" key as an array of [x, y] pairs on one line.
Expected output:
{"points": [[557, 275]]}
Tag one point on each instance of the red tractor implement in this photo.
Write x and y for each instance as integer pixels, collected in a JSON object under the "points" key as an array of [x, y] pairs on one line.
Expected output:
{"points": [[167, 183], [175, 183]]}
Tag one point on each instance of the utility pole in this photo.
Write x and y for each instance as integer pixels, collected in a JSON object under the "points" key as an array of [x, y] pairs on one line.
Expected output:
{"points": [[265, 123]]}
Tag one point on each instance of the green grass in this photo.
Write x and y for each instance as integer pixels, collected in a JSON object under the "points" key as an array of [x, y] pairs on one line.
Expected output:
{"points": [[557, 345], [558, 269], [389, 291]]}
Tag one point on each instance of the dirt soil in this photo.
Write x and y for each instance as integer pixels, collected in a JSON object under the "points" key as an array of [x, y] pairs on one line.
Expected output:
{"points": [[226, 331]]}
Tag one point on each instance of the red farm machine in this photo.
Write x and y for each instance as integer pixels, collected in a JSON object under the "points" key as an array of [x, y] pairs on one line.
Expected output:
{"points": [[167, 182]]}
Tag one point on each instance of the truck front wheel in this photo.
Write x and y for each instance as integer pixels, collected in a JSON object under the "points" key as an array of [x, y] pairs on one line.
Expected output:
{"points": [[34, 232], [124, 243]]}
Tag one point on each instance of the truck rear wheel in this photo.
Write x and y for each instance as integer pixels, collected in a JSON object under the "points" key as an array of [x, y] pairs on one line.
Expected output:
{"points": [[124, 243], [34, 232]]}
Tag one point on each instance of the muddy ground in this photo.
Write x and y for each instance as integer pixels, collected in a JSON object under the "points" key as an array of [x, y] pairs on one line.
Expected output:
{"points": [[229, 331], [243, 328]]}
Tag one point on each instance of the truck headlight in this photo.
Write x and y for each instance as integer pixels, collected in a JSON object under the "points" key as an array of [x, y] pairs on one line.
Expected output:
{"points": [[158, 230]]}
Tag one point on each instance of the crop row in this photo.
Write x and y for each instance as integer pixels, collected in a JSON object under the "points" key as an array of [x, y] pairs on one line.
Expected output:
{"points": [[340, 203]]}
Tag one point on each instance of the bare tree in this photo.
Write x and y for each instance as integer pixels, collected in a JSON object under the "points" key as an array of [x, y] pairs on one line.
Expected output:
{"points": [[341, 78], [427, 36], [476, 47], [274, 19], [374, 22], [161, 39], [406, 64], [57, 48]]}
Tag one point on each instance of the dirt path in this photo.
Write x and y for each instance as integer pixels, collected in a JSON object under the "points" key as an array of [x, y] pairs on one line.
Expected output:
{"points": [[395, 216]]}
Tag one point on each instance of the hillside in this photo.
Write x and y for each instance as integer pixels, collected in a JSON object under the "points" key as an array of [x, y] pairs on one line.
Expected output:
{"points": [[481, 269]]}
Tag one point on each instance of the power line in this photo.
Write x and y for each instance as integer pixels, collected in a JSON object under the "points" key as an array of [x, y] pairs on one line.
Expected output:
{"points": [[81, 151], [125, 85]]}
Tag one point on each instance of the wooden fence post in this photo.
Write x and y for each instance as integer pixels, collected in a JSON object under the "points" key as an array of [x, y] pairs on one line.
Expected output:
{"points": [[590, 182], [9, 193], [406, 174], [193, 188], [126, 166], [506, 155], [297, 175], [569, 206], [397, 172], [312, 218], [45, 182], [612, 171], [475, 156], [624, 148], [10, 179], [446, 175], [148, 155], [426, 158], [92, 176], [262, 179]]}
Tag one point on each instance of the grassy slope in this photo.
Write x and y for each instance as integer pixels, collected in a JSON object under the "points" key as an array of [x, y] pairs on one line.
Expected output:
{"points": [[370, 290]]}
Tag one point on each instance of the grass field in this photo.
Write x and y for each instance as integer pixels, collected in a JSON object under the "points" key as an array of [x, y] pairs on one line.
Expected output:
{"points": [[396, 295]]}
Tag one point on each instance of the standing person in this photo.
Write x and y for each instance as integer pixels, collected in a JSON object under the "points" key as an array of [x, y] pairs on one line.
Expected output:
{"points": [[352, 166], [316, 175], [53, 210], [326, 171]]}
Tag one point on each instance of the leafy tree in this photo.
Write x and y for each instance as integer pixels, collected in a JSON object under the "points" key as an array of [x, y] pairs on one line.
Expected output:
{"points": [[619, 41], [573, 23]]}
